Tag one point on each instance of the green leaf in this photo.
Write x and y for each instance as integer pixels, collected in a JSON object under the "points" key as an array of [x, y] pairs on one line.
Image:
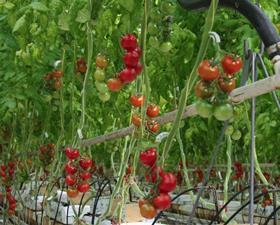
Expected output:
{"points": [[9, 5], [20, 23], [39, 6], [127, 4], [63, 22], [83, 16]]}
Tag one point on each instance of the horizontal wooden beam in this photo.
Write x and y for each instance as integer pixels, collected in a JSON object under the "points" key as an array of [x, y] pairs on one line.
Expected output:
{"points": [[238, 95]]}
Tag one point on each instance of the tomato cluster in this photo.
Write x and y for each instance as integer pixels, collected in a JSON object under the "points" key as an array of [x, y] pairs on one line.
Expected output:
{"points": [[151, 111], [7, 173], [214, 86], [101, 63], [162, 181], [78, 172], [53, 79], [46, 154], [81, 66], [239, 171], [266, 201]]}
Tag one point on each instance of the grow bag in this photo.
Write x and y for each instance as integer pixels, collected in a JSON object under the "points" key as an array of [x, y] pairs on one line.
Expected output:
{"points": [[252, 12]]}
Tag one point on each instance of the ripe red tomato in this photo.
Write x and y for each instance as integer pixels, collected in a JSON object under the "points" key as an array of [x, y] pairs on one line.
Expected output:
{"points": [[114, 84], [207, 72], [131, 59], [168, 183], [138, 50], [152, 110], [70, 181], [129, 42], [127, 75], [82, 68], [85, 163], [101, 61], [136, 120], [153, 126], [162, 202], [72, 153], [203, 89], [11, 199], [153, 174], [3, 167], [85, 175], [72, 193], [12, 206], [137, 100], [148, 211], [57, 73], [231, 65], [148, 157], [83, 188], [227, 84], [70, 169]]}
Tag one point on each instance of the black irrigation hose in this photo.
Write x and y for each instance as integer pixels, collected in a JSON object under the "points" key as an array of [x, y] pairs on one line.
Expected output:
{"points": [[36, 198], [251, 11], [59, 201], [98, 194], [161, 213], [274, 213], [248, 203], [212, 163]]}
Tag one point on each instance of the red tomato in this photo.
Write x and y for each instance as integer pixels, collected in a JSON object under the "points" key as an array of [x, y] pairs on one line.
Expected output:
{"points": [[136, 120], [85, 175], [227, 84], [114, 84], [137, 100], [82, 69], [203, 89], [101, 61], [70, 181], [3, 167], [148, 211], [70, 169], [129, 42], [72, 193], [162, 202], [8, 189], [153, 126], [12, 165], [168, 183], [231, 65], [11, 199], [57, 73], [207, 72], [72, 153], [148, 157], [83, 188], [138, 50], [152, 110], [153, 174], [85, 163], [142, 202], [131, 59], [12, 206], [127, 75]]}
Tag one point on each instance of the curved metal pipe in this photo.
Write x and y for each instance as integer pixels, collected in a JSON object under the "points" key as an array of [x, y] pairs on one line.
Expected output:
{"points": [[252, 12]]}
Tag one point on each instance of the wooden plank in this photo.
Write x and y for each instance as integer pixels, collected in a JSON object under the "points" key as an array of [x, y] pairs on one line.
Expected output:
{"points": [[238, 95], [256, 89]]}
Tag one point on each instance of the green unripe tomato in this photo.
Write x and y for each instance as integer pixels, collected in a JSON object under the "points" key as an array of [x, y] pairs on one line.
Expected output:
{"points": [[104, 97], [99, 75]]}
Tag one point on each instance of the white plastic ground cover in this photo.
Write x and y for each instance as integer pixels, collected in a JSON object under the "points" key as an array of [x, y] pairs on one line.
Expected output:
{"points": [[62, 212]]}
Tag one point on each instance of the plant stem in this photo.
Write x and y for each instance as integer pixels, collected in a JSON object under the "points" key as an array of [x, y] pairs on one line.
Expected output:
{"points": [[191, 79]]}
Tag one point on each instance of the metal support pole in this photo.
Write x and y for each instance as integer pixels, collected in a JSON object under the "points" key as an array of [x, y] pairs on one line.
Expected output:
{"points": [[252, 149]]}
